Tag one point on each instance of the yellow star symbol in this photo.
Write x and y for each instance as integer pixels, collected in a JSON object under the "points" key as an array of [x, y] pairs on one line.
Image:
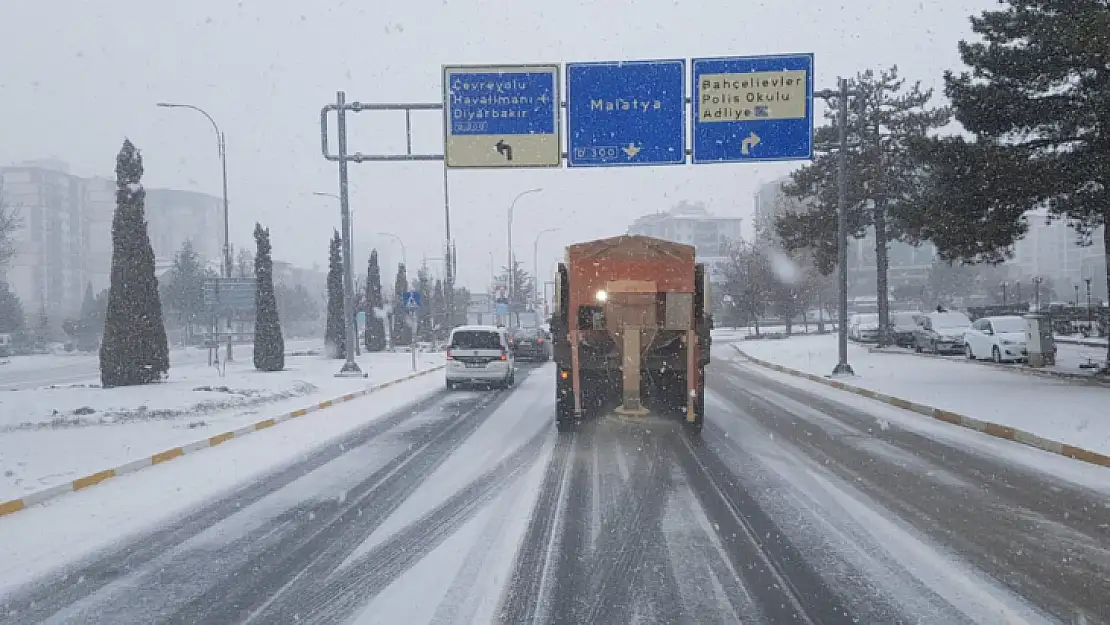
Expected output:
{"points": [[631, 150]]}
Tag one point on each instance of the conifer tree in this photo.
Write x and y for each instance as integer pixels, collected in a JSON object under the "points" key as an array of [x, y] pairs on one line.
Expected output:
{"points": [[335, 331], [375, 308], [269, 346], [134, 349]]}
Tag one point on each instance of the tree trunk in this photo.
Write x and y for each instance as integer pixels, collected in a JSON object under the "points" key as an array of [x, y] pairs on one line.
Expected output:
{"points": [[882, 266]]}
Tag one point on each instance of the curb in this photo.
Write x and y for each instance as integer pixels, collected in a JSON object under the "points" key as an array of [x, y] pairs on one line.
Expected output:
{"points": [[1004, 432], [1083, 342], [1024, 370], [15, 505]]}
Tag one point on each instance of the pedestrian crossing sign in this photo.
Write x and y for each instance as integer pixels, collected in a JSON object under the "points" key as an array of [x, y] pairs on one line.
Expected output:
{"points": [[411, 300]]}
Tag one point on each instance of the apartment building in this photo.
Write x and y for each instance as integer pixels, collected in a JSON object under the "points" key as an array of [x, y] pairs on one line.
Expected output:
{"points": [[64, 238], [693, 224]]}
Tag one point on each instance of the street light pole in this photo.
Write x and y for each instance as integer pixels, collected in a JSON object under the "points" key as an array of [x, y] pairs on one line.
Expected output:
{"points": [[352, 216], [404, 255], [842, 366], [536, 263], [510, 267], [221, 146]]}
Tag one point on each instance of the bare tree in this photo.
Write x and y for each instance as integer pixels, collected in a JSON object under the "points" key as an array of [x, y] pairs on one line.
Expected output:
{"points": [[9, 222]]}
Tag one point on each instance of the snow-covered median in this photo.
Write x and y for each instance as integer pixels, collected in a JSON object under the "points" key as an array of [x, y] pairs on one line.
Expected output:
{"points": [[53, 434], [1068, 412]]}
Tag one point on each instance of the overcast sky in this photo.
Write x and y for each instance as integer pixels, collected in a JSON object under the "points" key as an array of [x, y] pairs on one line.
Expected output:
{"points": [[77, 76]]}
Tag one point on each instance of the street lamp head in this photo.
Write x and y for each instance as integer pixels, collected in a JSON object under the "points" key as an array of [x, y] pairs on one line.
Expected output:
{"points": [[170, 105], [324, 194]]}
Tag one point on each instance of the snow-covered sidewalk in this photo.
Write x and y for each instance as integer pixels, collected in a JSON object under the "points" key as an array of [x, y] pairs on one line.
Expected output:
{"points": [[1068, 412], [53, 434]]}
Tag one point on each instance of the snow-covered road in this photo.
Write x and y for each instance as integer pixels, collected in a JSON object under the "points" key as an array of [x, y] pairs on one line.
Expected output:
{"points": [[468, 507]]}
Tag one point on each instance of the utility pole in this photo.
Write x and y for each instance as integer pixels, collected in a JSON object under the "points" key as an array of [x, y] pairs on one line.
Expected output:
{"points": [[350, 368], [221, 146], [842, 366], [511, 266]]}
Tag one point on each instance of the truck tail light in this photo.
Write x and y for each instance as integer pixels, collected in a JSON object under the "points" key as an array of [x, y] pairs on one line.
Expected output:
{"points": [[449, 354], [504, 354], [539, 341]]}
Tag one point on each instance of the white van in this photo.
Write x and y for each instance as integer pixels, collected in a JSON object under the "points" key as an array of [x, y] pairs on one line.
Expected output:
{"points": [[480, 354]]}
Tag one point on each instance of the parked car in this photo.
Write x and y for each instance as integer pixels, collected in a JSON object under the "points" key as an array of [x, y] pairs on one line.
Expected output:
{"points": [[480, 354], [532, 344], [902, 327], [941, 332], [864, 328], [1002, 339]]}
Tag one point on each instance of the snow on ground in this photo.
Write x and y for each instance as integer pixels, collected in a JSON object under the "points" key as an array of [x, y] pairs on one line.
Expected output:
{"points": [[1064, 411], [819, 512], [93, 519], [498, 437], [51, 435], [1079, 473]]}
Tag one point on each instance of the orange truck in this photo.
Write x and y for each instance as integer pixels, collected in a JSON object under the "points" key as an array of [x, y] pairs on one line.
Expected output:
{"points": [[630, 331]]}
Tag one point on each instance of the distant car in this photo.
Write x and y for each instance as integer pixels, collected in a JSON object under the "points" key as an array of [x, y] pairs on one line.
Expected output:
{"points": [[864, 328], [902, 327], [480, 354], [532, 344], [1002, 339], [941, 332]]}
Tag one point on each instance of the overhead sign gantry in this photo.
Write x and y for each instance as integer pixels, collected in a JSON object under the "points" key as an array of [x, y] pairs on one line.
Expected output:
{"points": [[629, 113]]}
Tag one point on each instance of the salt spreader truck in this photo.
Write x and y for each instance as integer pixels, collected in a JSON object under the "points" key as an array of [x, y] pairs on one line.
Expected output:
{"points": [[631, 327]]}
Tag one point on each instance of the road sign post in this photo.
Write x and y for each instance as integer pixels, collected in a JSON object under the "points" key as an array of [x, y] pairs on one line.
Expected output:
{"points": [[411, 301], [751, 109], [501, 116], [626, 113]]}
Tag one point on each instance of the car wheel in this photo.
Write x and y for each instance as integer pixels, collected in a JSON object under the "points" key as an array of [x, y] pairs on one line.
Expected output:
{"points": [[967, 351], [917, 347], [996, 354]]}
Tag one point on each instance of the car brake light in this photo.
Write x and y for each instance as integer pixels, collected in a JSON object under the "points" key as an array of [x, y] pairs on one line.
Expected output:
{"points": [[448, 354], [539, 341], [504, 354]]}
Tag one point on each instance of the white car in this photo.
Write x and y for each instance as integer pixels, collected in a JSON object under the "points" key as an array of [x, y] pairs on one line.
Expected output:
{"points": [[864, 327], [482, 355], [1002, 339]]}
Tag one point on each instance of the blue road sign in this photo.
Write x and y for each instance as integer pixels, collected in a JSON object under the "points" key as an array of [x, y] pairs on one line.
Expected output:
{"points": [[626, 113], [757, 108], [502, 309], [411, 300], [502, 116]]}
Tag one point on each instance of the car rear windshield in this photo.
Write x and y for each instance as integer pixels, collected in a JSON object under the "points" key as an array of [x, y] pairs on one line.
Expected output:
{"points": [[476, 339], [1016, 324], [527, 334], [951, 320], [905, 319]]}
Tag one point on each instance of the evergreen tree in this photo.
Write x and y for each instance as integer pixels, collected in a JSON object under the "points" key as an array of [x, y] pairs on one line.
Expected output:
{"points": [[335, 333], [423, 285], [134, 348], [182, 290], [90, 324], [375, 307], [1036, 101], [269, 346], [882, 176], [11, 311], [521, 287], [298, 308], [402, 331]]}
